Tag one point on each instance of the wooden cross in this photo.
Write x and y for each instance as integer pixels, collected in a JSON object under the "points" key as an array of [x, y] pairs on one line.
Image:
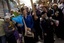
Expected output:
{"points": [[33, 7], [20, 4], [35, 16]]}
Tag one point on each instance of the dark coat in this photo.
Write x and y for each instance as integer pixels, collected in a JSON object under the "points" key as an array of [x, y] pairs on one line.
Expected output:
{"points": [[60, 16], [46, 25], [48, 29]]}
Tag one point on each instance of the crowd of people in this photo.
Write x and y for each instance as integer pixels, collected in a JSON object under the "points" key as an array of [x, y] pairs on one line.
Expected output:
{"points": [[27, 26]]}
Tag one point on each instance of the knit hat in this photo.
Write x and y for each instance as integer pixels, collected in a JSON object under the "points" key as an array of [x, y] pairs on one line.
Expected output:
{"points": [[7, 17], [8, 14]]}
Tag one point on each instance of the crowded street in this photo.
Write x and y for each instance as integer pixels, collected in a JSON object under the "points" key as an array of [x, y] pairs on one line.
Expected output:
{"points": [[31, 21]]}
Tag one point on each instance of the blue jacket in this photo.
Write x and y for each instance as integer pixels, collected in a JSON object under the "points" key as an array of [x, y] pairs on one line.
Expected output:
{"points": [[29, 21], [18, 19]]}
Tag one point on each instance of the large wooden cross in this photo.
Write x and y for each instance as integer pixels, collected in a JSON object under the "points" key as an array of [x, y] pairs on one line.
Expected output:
{"points": [[31, 4], [20, 4], [33, 7]]}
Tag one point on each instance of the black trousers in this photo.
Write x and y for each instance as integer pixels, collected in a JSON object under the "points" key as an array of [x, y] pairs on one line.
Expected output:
{"points": [[58, 32], [2, 39], [29, 39], [11, 39], [49, 38], [62, 32], [38, 32]]}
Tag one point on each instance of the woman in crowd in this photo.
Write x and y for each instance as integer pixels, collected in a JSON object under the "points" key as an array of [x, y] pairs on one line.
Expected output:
{"points": [[47, 25], [58, 15], [28, 21], [9, 30], [37, 28], [19, 24]]}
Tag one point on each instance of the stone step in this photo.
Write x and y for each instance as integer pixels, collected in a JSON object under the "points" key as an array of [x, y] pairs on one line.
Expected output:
{"points": [[1, 10]]}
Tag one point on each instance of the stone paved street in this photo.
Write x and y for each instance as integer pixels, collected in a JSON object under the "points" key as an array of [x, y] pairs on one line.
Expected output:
{"points": [[57, 41]]}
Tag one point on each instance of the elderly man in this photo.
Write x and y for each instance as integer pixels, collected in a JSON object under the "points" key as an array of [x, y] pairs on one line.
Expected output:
{"points": [[2, 33]]}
